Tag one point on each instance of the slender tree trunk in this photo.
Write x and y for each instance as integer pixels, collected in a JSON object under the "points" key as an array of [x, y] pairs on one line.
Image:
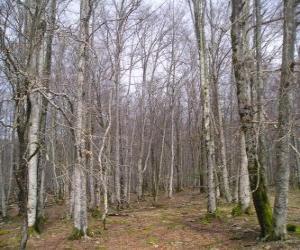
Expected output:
{"points": [[199, 6], [80, 205], [244, 185], [117, 149], [171, 170], [46, 74], [225, 178], [33, 145], [161, 157], [282, 154], [103, 168], [140, 159], [178, 165], [2, 188]]}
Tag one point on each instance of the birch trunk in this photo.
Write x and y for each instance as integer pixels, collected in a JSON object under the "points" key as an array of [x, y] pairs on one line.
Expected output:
{"points": [[282, 154]]}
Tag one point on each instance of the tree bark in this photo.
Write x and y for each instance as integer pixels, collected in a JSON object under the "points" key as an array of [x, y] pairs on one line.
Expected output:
{"points": [[282, 150], [2, 188], [200, 34], [241, 63], [244, 185], [80, 204]]}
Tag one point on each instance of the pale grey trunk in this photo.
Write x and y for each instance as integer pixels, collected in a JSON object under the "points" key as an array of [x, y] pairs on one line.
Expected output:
{"points": [[117, 176], [80, 205], [283, 169], [236, 186], [41, 197], [171, 170], [131, 163], [199, 15], [225, 178], [2, 188], [103, 168], [296, 145], [53, 154], [140, 159], [244, 184], [13, 159], [33, 147], [161, 157]]}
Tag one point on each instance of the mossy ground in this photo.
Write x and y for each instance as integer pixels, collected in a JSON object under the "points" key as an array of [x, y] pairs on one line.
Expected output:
{"points": [[238, 211], [179, 223]]}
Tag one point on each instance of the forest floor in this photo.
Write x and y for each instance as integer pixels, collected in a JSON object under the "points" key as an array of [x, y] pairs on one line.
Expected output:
{"points": [[178, 223]]}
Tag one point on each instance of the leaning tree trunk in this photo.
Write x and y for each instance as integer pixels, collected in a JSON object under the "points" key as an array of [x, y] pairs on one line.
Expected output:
{"points": [[282, 154], [80, 204]]}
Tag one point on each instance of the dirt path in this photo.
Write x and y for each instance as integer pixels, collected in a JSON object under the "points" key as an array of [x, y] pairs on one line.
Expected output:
{"points": [[179, 223]]}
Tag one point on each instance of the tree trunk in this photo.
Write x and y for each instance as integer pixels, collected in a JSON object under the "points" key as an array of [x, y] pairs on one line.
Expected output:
{"points": [[80, 206], [244, 185], [2, 188], [33, 147], [241, 63], [200, 34], [282, 154], [171, 170]]}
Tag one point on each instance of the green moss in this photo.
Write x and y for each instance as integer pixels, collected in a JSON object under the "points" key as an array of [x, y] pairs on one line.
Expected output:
{"points": [[262, 205], [3, 231], [32, 231], [293, 228], [238, 211], [209, 217], [76, 234]]}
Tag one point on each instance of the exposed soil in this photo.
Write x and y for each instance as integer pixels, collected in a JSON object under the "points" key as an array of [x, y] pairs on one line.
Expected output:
{"points": [[179, 223]]}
